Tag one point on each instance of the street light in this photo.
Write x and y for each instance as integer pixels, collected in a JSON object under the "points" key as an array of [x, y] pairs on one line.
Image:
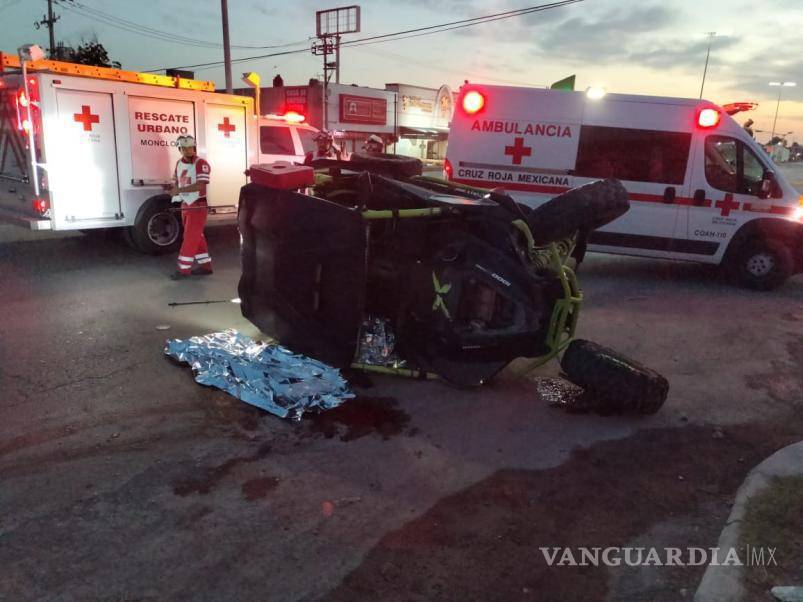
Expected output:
{"points": [[781, 86]]}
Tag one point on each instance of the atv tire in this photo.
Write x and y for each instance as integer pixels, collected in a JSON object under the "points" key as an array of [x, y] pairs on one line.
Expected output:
{"points": [[585, 208], [615, 383], [395, 165]]}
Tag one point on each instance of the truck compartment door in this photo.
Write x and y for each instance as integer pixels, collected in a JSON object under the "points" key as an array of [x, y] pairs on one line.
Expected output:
{"points": [[82, 160], [226, 152]]}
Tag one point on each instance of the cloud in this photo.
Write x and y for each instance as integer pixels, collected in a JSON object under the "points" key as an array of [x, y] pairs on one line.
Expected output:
{"points": [[262, 10], [603, 37], [677, 54]]}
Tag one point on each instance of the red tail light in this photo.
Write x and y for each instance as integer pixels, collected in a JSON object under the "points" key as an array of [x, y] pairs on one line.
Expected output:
{"points": [[448, 170], [473, 102], [708, 118], [23, 102], [41, 206]]}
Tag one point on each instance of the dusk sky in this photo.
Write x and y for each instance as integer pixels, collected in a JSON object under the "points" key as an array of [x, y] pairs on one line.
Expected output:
{"points": [[628, 46]]}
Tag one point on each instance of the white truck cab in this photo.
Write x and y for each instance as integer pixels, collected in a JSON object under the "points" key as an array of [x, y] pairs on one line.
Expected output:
{"points": [[285, 138], [701, 189]]}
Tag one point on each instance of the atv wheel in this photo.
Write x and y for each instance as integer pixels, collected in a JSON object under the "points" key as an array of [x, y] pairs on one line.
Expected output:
{"points": [[585, 208], [395, 165], [614, 382]]}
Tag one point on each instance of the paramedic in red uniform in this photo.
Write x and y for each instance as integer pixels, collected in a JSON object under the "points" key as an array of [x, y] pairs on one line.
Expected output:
{"points": [[191, 178]]}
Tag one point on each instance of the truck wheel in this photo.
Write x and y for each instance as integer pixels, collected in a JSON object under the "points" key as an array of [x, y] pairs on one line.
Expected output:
{"points": [[156, 230], [585, 208], [612, 381], [762, 264], [395, 165]]}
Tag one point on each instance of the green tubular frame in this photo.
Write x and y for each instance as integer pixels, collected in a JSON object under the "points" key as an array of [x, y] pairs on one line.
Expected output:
{"points": [[563, 323], [401, 213], [406, 372]]}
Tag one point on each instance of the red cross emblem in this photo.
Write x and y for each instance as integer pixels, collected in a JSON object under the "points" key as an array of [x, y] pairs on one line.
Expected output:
{"points": [[86, 118], [726, 205], [518, 150], [226, 127]]}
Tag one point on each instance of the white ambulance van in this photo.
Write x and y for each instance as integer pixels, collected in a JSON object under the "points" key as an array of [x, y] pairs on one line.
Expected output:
{"points": [[701, 189], [85, 148]]}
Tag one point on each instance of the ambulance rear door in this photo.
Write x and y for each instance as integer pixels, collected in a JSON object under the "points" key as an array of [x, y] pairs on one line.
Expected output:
{"points": [[82, 160], [520, 139], [646, 145], [226, 152]]}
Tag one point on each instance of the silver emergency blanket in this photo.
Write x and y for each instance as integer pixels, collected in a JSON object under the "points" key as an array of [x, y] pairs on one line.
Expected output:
{"points": [[265, 375]]}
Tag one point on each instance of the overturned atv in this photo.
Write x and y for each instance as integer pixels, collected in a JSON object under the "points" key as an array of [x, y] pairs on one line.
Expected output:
{"points": [[465, 280]]}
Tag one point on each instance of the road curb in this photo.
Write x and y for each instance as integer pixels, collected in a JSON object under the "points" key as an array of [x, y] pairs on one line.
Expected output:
{"points": [[724, 583]]}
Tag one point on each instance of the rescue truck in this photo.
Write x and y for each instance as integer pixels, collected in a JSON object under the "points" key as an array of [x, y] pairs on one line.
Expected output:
{"points": [[87, 148], [701, 189]]}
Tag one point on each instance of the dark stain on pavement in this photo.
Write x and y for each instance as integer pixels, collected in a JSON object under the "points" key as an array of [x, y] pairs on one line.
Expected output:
{"points": [[483, 543], [784, 381], [193, 515], [256, 489], [210, 477], [361, 416]]}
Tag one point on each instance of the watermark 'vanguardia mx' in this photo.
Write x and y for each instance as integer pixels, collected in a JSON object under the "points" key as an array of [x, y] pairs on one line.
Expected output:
{"points": [[614, 556]]}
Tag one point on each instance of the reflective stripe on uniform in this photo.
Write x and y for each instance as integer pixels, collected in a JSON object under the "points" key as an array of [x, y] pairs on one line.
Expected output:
{"points": [[207, 260]]}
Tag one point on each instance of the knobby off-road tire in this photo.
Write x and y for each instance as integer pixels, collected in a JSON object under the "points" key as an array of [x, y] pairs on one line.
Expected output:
{"points": [[612, 381], [395, 165], [585, 208]]}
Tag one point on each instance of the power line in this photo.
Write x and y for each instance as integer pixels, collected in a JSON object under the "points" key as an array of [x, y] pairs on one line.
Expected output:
{"points": [[427, 33], [133, 27], [400, 35]]}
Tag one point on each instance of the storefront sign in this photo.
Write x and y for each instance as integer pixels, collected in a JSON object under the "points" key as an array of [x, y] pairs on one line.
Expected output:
{"points": [[295, 99], [363, 109]]}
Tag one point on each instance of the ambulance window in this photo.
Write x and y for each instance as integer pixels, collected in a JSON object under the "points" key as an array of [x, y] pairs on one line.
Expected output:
{"points": [[753, 171], [730, 166], [276, 140], [630, 154], [307, 139]]}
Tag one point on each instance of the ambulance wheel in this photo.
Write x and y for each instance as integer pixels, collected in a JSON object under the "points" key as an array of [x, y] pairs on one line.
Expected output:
{"points": [[156, 229], [584, 208], [395, 165], [763, 264], [613, 383]]}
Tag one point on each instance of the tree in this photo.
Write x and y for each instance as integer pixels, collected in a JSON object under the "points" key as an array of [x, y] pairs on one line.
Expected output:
{"points": [[91, 53]]}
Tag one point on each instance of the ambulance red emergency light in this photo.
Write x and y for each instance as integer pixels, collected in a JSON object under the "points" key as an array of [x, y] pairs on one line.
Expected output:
{"points": [[701, 188]]}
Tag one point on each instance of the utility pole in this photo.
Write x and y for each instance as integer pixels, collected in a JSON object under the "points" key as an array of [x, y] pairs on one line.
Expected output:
{"points": [[224, 9], [710, 35], [48, 21]]}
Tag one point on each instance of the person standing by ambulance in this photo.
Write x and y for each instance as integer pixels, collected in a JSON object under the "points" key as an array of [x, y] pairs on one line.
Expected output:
{"points": [[191, 179]]}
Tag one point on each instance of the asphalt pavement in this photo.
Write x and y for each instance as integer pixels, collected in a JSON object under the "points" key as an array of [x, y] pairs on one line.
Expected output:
{"points": [[120, 477]]}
